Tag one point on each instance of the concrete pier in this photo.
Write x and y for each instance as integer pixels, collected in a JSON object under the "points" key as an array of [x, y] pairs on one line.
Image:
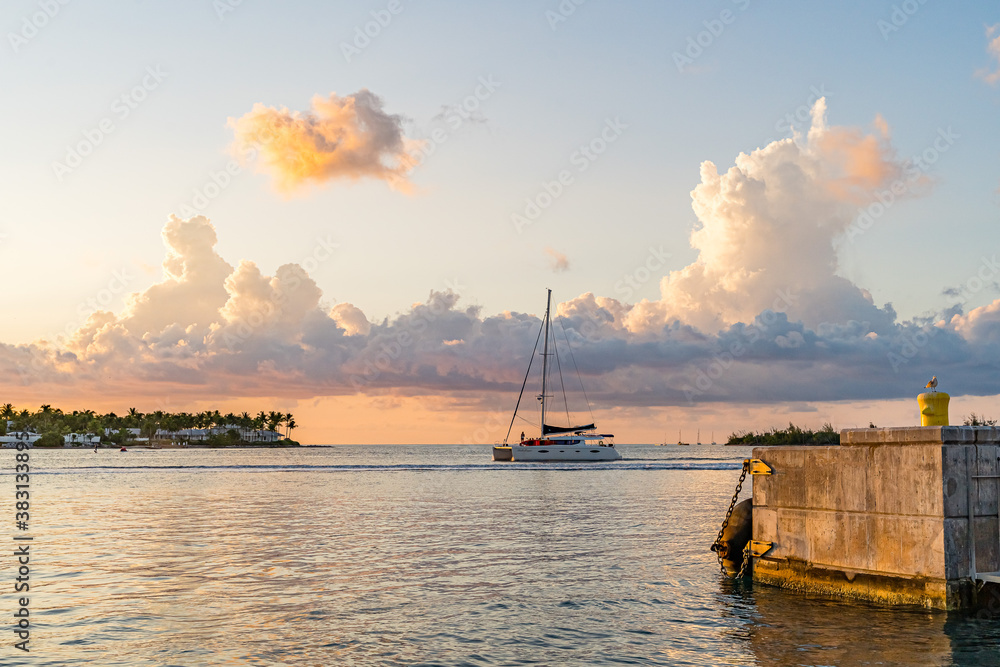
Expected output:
{"points": [[886, 516]]}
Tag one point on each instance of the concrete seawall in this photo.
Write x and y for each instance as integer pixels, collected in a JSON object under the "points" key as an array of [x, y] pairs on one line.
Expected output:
{"points": [[884, 516]]}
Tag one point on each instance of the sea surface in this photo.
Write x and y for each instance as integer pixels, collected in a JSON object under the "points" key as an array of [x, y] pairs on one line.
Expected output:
{"points": [[419, 555]]}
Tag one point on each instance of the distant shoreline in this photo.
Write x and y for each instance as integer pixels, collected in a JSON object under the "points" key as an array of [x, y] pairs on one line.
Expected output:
{"points": [[127, 446]]}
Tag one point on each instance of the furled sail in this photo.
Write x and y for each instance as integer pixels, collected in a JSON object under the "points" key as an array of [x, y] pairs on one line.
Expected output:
{"points": [[554, 430]]}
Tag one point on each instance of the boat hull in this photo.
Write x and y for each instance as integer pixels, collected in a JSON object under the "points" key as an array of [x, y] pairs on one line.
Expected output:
{"points": [[560, 452], [501, 453]]}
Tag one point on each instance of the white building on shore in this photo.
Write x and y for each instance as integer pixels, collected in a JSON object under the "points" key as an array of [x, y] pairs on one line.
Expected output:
{"points": [[202, 434], [29, 438], [10, 440]]}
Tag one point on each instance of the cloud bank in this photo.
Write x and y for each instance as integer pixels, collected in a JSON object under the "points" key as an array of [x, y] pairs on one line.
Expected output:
{"points": [[760, 317], [348, 137]]}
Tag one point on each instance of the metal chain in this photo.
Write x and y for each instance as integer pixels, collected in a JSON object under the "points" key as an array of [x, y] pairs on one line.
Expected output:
{"points": [[729, 513], [747, 555]]}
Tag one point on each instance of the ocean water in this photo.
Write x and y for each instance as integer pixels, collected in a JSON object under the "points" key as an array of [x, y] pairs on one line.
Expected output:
{"points": [[420, 555]]}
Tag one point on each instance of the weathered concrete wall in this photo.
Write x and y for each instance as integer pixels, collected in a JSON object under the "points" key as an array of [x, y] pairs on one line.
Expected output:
{"points": [[883, 516], [984, 460]]}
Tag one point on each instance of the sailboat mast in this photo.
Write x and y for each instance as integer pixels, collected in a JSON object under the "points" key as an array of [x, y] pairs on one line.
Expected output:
{"points": [[545, 357]]}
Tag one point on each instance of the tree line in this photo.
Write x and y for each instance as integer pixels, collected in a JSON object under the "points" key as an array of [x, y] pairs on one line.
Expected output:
{"points": [[53, 422], [793, 435]]}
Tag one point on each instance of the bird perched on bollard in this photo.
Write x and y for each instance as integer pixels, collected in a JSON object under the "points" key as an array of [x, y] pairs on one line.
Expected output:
{"points": [[932, 385]]}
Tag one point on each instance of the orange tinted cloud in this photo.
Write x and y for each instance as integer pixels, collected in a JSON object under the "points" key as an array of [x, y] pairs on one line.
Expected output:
{"points": [[557, 260], [348, 137]]}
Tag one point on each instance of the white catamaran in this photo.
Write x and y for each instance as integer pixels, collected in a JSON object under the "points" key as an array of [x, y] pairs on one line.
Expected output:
{"points": [[554, 443]]}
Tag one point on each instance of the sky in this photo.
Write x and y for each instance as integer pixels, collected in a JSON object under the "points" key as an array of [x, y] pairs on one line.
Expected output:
{"points": [[749, 213]]}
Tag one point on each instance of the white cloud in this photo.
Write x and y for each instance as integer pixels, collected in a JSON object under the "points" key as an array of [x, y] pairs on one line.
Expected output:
{"points": [[993, 48], [767, 233]]}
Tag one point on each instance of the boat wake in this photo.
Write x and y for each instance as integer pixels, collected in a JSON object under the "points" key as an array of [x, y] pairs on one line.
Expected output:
{"points": [[649, 464]]}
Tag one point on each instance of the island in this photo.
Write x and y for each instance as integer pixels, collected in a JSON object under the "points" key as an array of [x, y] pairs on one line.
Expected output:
{"points": [[52, 427]]}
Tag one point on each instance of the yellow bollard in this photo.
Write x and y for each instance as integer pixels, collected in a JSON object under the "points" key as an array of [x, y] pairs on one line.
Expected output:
{"points": [[933, 408]]}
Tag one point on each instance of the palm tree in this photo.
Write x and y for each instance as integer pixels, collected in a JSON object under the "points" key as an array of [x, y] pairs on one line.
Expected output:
{"points": [[42, 418], [8, 413], [245, 422], [259, 422], [290, 423], [24, 420], [112, 421], [149, 426], [274, 420], [95, 427]]}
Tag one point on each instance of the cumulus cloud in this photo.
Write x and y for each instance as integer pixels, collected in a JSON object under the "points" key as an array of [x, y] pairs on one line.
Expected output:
{"points": [[993, 48], [351, 319], [349, 137], [768, 228], [192, 290]]}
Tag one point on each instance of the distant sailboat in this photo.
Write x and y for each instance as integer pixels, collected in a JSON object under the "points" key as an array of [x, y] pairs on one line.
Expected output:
{"points": [[555, 443]]}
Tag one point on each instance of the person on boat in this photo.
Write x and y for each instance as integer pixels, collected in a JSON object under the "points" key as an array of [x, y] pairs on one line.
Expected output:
{"points": [[522, 436]]}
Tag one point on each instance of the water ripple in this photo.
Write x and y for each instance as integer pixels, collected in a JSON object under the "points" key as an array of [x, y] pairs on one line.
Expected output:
{"points": [[424, 556]]}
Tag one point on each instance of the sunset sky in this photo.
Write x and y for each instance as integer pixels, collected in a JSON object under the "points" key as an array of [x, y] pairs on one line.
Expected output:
{"points": [[749, 213]]}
